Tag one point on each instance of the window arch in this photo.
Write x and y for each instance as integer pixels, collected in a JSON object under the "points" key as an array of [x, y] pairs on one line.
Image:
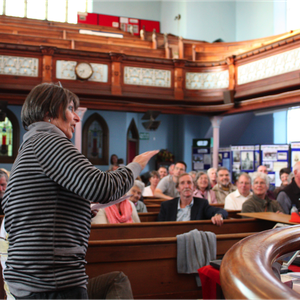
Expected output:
{"points": [[95, 140], [132, 141], [9, 138]]}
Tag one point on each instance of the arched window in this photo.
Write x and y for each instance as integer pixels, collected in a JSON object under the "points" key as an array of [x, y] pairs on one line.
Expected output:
{"points": [[95, 140], [132, 141], [9, 138]]}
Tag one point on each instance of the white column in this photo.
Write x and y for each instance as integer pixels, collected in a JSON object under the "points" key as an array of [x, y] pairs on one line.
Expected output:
{"points": [[78, 131], [216, 121]]}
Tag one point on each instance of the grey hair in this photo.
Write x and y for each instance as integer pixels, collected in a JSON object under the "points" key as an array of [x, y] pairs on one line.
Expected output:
{"points": [[4, 174], [246, 175], [140, 185], [210, 170], [261, 175]]}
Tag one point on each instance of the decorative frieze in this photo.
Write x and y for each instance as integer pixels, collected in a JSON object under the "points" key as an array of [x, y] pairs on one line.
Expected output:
{"points": [[147, 77], [20, 66], [65, 69], [204, 81], [271, 66]]}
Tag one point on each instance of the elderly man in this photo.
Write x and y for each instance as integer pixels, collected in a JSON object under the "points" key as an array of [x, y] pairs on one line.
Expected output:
{"points": [[186, 207], [163, 172], [224, 186], [3, 184], [166, 188], [260, 202], [291, 193], [235, 200]]}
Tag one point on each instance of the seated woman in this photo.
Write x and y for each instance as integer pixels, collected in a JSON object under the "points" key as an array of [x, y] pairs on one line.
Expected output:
{"points": [[203, 189], [154, 180], [260, 202], [136, 193], [123, 212]]}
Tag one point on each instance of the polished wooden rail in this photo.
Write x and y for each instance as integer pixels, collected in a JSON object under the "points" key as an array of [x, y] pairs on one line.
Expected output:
{"points": [[246, 269]]}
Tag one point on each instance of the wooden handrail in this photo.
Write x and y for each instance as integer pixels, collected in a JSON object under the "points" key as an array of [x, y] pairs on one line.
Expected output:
{"points": [[246, 269]]}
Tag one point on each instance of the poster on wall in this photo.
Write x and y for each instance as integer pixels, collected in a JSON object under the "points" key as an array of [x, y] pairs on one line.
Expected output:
{"points": [[295, 153], [256, 157], [275, 157], [201, 154], [224, 158]]}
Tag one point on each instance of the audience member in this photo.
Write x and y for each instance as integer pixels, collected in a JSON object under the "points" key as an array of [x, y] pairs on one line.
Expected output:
{"points": [[154, 180], [212, 175], [3, 184], [163, 172], [271, 188], [123, 212], [290, 194], [136, 191], [235, 200], [193, 174], [121, 162], [113, 161], [186, 207], [203, 189], [284, 177], [166, 188], [171, 169], [260, 202], [224, 186]]}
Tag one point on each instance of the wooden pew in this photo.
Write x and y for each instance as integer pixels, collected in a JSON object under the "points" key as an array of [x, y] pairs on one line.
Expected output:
{"points": [[150, 264], [171, 229], [152, 216]]}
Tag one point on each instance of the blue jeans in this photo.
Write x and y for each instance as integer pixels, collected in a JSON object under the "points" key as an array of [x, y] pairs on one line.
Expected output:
{"points": [[113, 285]]}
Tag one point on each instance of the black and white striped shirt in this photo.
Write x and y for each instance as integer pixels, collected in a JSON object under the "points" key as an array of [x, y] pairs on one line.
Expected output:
{"points": [[47, 210]]}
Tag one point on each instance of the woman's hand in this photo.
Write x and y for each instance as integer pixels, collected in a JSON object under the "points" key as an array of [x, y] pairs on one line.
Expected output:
{"points": [[143, 158]]}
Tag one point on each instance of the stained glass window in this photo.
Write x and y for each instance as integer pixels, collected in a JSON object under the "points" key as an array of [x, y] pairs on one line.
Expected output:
{"points": [[6, 138], [95, 141]]}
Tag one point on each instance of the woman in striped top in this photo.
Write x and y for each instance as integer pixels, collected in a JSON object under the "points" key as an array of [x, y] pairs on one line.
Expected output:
{"points": [[47, 200]]}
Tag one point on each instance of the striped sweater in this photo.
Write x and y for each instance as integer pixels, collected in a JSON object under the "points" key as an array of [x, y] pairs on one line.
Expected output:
{"points": [[47, 210]]}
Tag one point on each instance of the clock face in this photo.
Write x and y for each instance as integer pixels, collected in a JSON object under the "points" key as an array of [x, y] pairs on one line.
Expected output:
{"points": [[84, 70]]}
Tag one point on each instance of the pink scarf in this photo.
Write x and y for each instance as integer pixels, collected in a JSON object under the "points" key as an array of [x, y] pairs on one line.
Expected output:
{"points": [[114, 216]]}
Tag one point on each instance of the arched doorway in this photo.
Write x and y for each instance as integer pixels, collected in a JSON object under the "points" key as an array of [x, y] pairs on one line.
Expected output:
{"points": [[132, 141]]}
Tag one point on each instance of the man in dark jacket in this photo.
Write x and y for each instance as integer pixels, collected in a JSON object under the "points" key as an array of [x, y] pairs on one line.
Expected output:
{"points": [[186, 207]]}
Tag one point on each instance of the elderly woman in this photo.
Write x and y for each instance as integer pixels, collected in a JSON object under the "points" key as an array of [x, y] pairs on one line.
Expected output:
{"points": [[212, 175], [260, 202], [136, 192], [203, 190], [154, 180], [47, 200]]}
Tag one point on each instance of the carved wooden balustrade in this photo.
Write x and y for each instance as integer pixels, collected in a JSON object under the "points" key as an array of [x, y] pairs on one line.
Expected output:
{"points": [[246, 269]]}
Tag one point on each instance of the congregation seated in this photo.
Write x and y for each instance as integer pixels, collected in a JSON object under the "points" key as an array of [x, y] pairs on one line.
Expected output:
{"points": [[136, 193], [203, 190], [163, 172], [154, 180], [235, 200], [223, 186], [260, 202], [290, 194], [166, 188], [212, 175], [123, 212], [285, 180], [271, 188], [186, 207]]}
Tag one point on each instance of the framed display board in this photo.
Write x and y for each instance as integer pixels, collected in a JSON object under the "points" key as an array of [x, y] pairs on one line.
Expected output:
{"points": [[201, 154]]}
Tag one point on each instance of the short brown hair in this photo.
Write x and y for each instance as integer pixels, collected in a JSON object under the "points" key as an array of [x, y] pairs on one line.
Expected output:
{"points": [[46, 98]]}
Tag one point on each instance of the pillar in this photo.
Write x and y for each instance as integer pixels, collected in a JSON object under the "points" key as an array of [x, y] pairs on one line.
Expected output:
{"points": [[216, 122]]}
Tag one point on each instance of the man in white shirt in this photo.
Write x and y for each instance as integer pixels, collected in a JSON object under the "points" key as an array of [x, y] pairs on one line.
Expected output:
{"points": [[235, 200]]}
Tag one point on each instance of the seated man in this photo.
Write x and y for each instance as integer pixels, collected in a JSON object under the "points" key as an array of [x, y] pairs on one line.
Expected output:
{"points": [[260, 202], [291, 193], [236, 199], [186, 207], [166, 188], [224, 186]]}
